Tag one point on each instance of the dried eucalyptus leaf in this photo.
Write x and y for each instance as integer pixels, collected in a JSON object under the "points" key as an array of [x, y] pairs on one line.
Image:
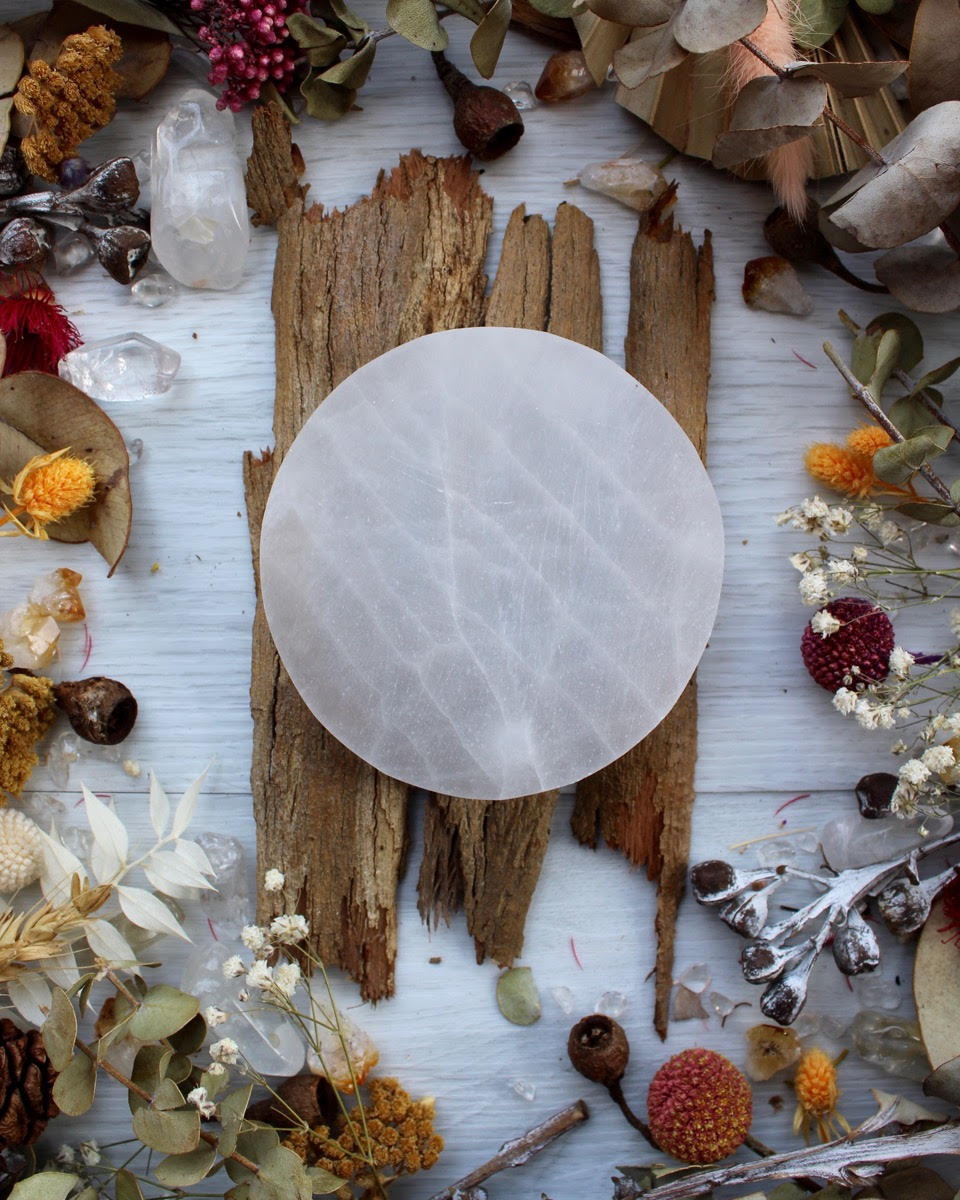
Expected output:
{"points": [[337, 12], [704, 25], [133, 12], [487, 40], [770, 112], [554, 8], [642, 13], [909, 415], [283, 1172], [184, 1170], [888, 354], [914, 1182], [352, 72], [517, 996], [11, 59], [127, 1186], [326, 101], [934, 62], [929, 512], [935, 969], [232, 1110], [900, 462], [937, 375], [817, 21], [650, 52], [911, 339], [417, 21], [925, 278], [916, 188], [473, 10], [45, 1185], [944, 1082], [60, 1030], [321, 43], [850, 79], [254, 1144], [189, 1038], [323, 1183], [74, 1087], [162, 1012], [6, 106], [53, 414], [168, 1132]]}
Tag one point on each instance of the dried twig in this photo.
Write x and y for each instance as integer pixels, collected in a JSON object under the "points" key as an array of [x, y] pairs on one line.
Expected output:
{"points": [[519, 1150]]}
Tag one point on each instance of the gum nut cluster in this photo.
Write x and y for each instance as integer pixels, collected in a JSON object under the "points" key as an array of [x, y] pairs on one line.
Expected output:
{"points": [[699, 1106], [864, 640]]}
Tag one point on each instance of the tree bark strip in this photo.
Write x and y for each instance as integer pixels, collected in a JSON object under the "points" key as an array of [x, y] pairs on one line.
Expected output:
{"points": [[486, 858], [404, 261], [643, 803]]}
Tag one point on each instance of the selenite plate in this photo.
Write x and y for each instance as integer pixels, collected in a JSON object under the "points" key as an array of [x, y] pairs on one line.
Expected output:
{"points": [[490, 562]]}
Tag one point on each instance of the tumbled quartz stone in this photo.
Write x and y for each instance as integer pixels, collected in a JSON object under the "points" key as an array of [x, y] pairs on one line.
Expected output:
{"points": [[521, 93], [154, 290], [491, 561], [127, 367], [565, 76], [853, 841], [199, 222], [633, 182], [891, 1043]]}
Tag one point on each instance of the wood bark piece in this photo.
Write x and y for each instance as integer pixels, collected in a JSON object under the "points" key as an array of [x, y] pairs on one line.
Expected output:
{"points": [[402, 262], [486, 858], [642, 804]]}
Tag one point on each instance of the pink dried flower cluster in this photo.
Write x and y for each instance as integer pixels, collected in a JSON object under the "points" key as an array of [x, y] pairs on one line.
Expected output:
{"points": [[250, 45]]}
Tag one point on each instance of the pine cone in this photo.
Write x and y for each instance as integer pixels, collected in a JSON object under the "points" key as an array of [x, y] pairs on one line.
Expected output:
{"points": [[26, 1080]]}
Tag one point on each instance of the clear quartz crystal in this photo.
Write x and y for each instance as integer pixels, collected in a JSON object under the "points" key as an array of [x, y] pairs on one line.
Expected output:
{"points": [[154, 290], [521, 93], [199, 221], [632, 181], [891, 1043], [563, 998], [780, 852], [58, 594], [127, 367], [876, 991], [807, 843], [229, 906], [78, 841], [524, 1088], [695, 978], [341, 1055], [135, 450], [71, 251], [612, 1004], [722, 1005], [43, 809], [855, 841]]}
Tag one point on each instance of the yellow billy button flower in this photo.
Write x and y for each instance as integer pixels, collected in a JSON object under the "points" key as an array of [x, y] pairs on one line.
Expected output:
{"points": [[815, 1084], [49, 488]]}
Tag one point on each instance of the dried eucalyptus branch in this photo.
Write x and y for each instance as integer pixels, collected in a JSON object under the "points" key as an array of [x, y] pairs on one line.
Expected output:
{"points": [[743, 896], [519, 1150]]}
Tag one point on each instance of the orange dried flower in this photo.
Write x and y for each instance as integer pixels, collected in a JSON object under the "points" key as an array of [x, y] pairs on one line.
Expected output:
{"points": [[841, 469], [868, 439], [817, 1093], [49, 488]]}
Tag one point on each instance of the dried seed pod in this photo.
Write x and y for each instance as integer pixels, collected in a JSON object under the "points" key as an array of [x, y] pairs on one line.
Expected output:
{"points": [[784, 999], [100, 710], [14, 175], [485, 120], [761, 961], [24, 243], [802, 242], [122, 250], [599, 1050], [855, 945], [715, 881], [111, 186], [312, 1098], [747, 914]]}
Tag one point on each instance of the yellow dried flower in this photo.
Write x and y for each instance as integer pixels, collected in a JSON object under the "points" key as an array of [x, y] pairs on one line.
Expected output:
{"points": [[868, 439], [840, 469], [26, 712], [817, 1093], [70, 100], [49, 488]]}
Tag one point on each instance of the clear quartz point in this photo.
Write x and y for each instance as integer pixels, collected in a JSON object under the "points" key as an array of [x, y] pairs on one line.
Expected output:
{"points": [[563, 998], [127, 367], [521, 93], [154, 290], [891, 1043], [229, 906], [524, 1089], [612, 1004], [781, 852], [720, 1004], [71, 251], [695, 978]]}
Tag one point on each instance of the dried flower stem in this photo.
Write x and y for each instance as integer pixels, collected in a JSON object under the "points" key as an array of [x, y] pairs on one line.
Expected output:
{"points": [[516, 1152], [868, 400]]}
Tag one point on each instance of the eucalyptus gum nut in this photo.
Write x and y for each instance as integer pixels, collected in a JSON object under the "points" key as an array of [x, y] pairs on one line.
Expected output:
{"points": [[102, 711]]}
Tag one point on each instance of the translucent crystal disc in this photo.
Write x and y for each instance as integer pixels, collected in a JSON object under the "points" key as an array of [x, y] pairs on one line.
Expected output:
{"points": [[490, 562]]}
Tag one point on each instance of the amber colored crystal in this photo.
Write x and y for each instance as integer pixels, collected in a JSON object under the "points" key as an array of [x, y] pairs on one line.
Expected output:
{"points": [[59, 595], [564, 77]]}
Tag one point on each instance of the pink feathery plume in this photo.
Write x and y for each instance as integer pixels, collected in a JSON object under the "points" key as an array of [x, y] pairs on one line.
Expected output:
{"points": [[790, 166]]}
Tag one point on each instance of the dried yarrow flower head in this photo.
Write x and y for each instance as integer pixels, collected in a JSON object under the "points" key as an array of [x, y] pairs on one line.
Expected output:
{"points": [[37, 331], [26, 713], [699, 1106], [49, 488], [70, 100], [815, 1084]]}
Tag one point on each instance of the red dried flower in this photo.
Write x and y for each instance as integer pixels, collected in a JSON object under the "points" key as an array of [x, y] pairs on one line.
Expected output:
{"points": [[37, 330], [950, 898], [864, 640], [699, 1106]]}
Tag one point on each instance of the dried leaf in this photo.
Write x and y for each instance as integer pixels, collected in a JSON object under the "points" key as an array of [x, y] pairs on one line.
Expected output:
{"points": [[916, 188], [517, 996], [666, 34], [936, 968], [417, 21], [11, 59], [554, 8], [189, 1038], [60, 1030], [74, 1087], [159, 807], [911, 339], [232, 1110], [40, 413], [323, 1182], [934, 62], [326, 101], [187, 805], [45, 1185], [147, 912], [925, 278], [703, 25], [321, 43], [649, 52], [688, 1005], [109, 834], [337, 13], [165, 870], [134, 12], [107, 943], [254, 1144], [817, 21], [642, 13], [184, 1170], [168, 1132], [487, 40], [944, 1082], [850, 79], [127, 1185], [352, 72], [770, 112], [898, 463], [162, 1012]]}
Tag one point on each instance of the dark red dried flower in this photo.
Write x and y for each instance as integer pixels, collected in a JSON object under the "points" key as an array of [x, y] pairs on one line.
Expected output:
{"points": [[950, 898], [37, 330], [864, 640]]}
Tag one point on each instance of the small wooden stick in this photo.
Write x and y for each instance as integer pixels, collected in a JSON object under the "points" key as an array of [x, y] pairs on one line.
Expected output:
{"points": [[519, 1150]]}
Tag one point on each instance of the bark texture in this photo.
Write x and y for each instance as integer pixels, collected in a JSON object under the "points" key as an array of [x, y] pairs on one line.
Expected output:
{"points": [[642, 804]]}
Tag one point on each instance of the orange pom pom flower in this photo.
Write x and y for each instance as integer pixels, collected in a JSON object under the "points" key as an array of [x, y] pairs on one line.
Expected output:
{"points": [[49, 488], [849, 469], [817, 1092]]}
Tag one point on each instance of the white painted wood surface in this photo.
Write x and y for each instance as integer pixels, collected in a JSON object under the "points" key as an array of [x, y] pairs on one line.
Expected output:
{"points": [[174, 623]]}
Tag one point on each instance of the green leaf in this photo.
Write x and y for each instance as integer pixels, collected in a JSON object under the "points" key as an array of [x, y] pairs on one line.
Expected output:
{"points": [[167, 1096], [929, 512], [877, 7], [133, 12], [863, 356], [214, 1084], [909, 415], [487, 40], [127, 1186], [163, 1011], [74, 1087], [888, 352], [473, 10], [45, 1185], [337, 13], [322, 44], [255, 1144], [60, 1030], [190, 1038], [322, 1182], [352, 72], [283, 1173], [232, 1110], [911, 339], [817, 20], [417, 21], [326, 101], [898, 463], [168, 1132], [937, 375], [517, 996], [184, 1170]]}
